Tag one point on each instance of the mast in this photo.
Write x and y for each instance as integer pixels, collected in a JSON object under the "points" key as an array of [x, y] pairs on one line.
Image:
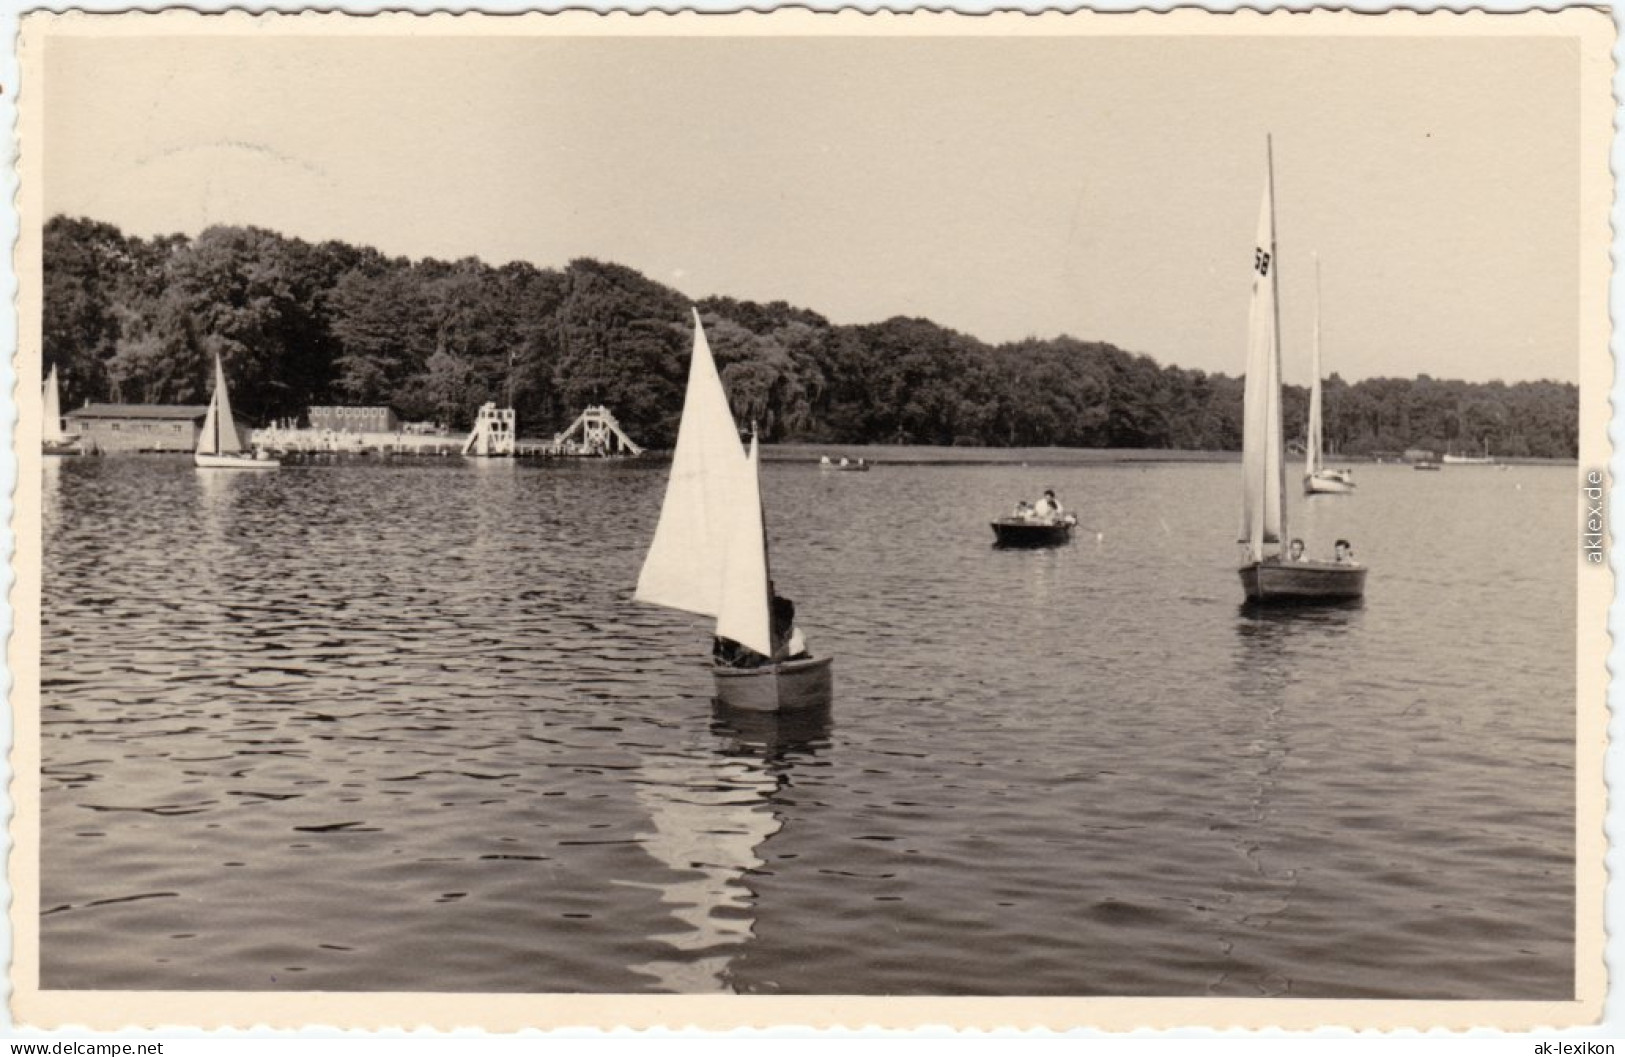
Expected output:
{"points": [[1316, 430], [1277, 433]]}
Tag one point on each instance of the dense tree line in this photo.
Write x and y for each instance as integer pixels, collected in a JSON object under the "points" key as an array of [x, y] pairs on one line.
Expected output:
{"points": [[139, 320]]}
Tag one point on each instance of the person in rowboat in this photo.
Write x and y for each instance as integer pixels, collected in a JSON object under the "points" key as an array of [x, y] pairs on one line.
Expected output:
{"points": [[1343, 553], [1048, 507], [1297, 554]]}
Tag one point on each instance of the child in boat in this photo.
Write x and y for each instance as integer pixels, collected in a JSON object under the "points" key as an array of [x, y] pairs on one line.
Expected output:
{"points": [[788, 642], [1343, 553], [1024, 509]]}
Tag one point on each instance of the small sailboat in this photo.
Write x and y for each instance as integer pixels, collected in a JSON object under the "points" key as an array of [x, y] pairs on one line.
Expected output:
{"points": [[219, 445], [1472, 460], [1267, 575], [56, 440], [709, 555], [1319, 479]]}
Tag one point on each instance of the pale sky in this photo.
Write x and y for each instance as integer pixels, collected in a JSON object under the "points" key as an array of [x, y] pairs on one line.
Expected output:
{"points": [[1102, 187]]}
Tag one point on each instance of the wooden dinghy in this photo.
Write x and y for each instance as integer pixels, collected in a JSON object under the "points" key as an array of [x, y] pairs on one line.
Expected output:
{"points": [[709, 554]]}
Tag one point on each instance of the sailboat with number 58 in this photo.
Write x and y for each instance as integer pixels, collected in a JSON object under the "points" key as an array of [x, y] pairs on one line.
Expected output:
{"points": [[1269, 573]]}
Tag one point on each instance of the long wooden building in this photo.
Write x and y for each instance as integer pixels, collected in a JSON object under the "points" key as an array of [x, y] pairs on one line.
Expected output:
{"points": [[138, 427]]}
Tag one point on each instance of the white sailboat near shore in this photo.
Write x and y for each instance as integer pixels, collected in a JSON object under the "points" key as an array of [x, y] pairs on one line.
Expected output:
{"points": [[56, 440], [1319, 479], [1267, 574], [1486, 459], [709, 554], [219, 445]]}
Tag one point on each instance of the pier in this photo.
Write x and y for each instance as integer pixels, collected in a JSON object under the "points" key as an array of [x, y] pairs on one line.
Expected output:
{"points": [[594, 434]]}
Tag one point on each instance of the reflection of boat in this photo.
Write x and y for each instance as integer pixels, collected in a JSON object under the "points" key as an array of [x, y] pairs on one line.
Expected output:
{"points": [[219, 445], [57, 441], [1032, 532], [711, 813], [1265, 575], [709, 553], [1318, 479], [708, 818]]}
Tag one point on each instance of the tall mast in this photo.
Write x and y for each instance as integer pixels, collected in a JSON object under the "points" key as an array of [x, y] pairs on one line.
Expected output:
{"points": [[1275, 296]]}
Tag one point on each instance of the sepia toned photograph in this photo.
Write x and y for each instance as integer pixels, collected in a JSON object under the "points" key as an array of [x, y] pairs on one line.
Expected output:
{"points": [[552, 519]]}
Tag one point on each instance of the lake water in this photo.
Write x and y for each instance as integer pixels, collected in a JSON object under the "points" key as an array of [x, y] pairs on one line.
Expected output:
{"points": [[401, 727]]}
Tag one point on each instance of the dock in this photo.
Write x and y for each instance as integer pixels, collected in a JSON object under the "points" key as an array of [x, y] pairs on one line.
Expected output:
{"points": [[316, 442]]}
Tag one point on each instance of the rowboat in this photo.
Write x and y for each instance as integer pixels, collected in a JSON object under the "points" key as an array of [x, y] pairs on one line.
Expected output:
{"points": [[709, 555], [219, 445], [1032, 532], [1266, 576]]}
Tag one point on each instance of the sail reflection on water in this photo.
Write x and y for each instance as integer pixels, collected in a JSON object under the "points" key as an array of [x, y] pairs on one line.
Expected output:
{"points": [[712, 808]]}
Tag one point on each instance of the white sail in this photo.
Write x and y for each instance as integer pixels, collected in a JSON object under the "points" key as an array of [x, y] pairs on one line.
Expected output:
{"points": [[687, 560], [1316, 437], [52, 427], [745, 614], [219, 434], [206, 436], [1263, 468]]}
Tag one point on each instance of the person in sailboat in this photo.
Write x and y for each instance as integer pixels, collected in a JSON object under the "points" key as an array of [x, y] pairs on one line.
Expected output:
{"points": [[788, 642]]}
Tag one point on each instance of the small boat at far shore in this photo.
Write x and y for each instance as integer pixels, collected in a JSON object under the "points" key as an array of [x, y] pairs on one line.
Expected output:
{"points": [[845, 465], [1426, 464], [219, 445], [1033, 532], [1319, 479]]}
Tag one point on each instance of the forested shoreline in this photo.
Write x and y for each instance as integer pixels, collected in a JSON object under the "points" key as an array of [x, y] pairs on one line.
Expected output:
{"points": [[137, 320]]}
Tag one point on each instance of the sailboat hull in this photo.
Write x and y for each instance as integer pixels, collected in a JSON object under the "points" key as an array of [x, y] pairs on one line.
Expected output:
{"points": [[233, 462], [1327, 482], [785, 687], [1302, 583]]}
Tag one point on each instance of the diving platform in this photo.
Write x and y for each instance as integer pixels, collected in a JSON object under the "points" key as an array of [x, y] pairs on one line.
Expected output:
{"points": [[595, 432], [493, 434]]}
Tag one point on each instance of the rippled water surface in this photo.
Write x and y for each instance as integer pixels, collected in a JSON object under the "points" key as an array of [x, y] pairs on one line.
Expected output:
{"points": [[367, 727]]}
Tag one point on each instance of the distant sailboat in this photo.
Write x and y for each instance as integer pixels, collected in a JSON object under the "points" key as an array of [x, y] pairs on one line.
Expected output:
{"points": [[1317, 478], [1472, 460], [1266, 574], [219, 447], [709, 553], [57, 441]]}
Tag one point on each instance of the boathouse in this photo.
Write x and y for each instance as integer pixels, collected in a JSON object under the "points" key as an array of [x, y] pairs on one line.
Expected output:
{"points": [[138, 427], [354, 419]]}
